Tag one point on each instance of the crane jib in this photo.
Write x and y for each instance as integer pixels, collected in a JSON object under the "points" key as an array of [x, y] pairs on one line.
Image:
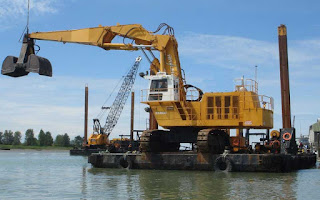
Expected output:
{"points": [[121, 98]]}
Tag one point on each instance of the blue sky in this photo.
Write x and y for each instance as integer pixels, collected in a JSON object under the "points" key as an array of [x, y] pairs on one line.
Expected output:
{"points": [[218, 42]]}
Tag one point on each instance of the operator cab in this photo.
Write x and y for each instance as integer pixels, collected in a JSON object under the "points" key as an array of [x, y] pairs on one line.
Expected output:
{"points": [[163, 87]]}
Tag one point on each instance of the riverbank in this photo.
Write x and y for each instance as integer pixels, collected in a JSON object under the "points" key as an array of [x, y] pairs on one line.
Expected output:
{"points": [[34, 147]]}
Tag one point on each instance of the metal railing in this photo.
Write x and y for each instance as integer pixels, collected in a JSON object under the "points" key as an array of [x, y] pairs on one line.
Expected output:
{"points": [[258, 101], [247, 85]]}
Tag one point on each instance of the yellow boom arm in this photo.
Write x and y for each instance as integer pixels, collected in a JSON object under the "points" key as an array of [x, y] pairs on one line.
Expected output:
{"points": [[102, 36]]}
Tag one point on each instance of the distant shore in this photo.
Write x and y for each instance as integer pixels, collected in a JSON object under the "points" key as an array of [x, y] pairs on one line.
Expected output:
{"points": [[2, 146]]}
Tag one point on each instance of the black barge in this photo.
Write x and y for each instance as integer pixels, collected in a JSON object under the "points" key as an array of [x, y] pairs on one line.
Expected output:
{"points": [[209, 162]]}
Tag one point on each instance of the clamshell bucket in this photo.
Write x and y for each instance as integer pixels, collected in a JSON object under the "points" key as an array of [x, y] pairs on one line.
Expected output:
{"points": [[35, 64], [40, 65], [27, 62], [11, 68]]}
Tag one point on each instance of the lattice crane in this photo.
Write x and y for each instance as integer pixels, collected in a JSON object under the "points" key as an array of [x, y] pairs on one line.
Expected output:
{"points": [[119, 102]]}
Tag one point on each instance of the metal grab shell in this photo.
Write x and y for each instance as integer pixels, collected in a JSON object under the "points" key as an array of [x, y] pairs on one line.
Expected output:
{"points": [[11, 68], [35, 64], [39, 65]]}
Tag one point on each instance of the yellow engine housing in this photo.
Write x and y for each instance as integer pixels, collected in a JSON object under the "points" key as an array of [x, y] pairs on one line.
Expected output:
{"points": [[98, 139], [224, 110]]}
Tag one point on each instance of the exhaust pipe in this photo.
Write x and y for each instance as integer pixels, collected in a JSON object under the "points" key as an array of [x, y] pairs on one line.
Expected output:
{"points": [[27, 62]]}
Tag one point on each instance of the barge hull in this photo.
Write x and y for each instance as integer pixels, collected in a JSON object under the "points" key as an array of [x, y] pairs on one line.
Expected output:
{"points": [[84, 152], [209, 162]]}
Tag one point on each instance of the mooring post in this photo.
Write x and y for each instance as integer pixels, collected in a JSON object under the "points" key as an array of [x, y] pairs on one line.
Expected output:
{"points": [[284, 77], [287, 133], [86, 115]]}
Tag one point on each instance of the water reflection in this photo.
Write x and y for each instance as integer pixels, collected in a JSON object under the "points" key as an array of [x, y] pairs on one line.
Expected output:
{"points": [[56, 175], [84, 181], [154, 184]]}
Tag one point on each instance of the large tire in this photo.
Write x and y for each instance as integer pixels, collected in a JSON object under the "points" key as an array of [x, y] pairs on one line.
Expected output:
{"points": [[223, 164], [125, 163]]}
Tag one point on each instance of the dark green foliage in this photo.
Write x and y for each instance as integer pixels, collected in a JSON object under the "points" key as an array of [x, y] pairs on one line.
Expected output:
{"points": [[7, 137], [77, 142], [17, 138], [49, 139], [42, 138], [62, 140], [59, 141], [30, 140], [66, 140], [1, 136]]}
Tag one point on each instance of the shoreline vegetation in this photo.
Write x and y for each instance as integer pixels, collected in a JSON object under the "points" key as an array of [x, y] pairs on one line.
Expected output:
{"points": [[24, 147], [44, 140]]}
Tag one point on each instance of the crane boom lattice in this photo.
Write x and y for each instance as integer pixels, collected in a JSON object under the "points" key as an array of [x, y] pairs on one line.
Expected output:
{"points": [[121, 98]]}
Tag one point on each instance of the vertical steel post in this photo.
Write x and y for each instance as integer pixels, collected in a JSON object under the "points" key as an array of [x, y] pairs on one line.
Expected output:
{"points": [[284, 77], [132, 118], [318, 136], [85, 138], [153, 124]]}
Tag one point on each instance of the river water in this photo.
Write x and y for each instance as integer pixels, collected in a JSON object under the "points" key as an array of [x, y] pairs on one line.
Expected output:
{"points": [[30, 174]]}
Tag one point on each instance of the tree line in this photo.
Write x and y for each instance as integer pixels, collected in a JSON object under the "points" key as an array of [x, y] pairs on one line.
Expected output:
{"points": [[44, 139]]}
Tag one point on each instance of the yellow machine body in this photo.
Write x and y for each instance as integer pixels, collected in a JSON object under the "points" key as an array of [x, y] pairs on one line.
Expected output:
{"points": [[222, 110], [98, 139]]}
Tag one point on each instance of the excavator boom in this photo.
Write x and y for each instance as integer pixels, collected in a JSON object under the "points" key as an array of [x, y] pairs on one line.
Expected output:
{"points": [[102, 36]]}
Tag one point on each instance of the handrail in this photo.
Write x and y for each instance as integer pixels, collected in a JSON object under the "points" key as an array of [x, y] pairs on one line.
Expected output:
{"points": [[259, 101], [247, 85]]}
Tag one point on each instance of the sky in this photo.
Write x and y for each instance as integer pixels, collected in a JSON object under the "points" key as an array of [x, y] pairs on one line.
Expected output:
{"points": [[219, 41]]}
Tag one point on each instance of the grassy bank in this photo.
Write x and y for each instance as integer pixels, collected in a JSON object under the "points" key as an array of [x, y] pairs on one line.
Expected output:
{"points": [[34, 147]]}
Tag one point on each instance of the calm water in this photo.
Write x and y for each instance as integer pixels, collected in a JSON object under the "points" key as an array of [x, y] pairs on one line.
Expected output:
{"points": [[56, 175]]}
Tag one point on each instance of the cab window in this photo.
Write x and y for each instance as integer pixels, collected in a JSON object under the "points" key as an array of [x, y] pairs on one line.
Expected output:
{"points": [[159, 85]]}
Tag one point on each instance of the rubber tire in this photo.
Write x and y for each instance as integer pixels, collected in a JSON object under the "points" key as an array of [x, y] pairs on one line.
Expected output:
{"points": [[223, 164], [125, 163]]}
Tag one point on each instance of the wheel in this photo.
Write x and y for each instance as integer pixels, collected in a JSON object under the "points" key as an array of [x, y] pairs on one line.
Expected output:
{"points": [[223, 164]]}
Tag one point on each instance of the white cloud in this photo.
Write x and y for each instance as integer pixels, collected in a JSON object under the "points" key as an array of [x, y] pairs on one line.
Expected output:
{"points": [[222, 51], [18, 8], [13, 12], [237, 52]]}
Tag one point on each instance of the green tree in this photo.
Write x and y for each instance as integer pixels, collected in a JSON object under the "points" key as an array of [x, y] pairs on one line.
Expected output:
{"points": [[59, 140], [17, 138], [77, 142], [49, 139], [1, 137], [30, 140], [7, 137], [66, 140], [62, 140], [42, 138]]}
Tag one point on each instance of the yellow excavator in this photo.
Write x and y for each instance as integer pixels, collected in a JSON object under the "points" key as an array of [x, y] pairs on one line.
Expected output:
{"points": [[186, 113]]}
